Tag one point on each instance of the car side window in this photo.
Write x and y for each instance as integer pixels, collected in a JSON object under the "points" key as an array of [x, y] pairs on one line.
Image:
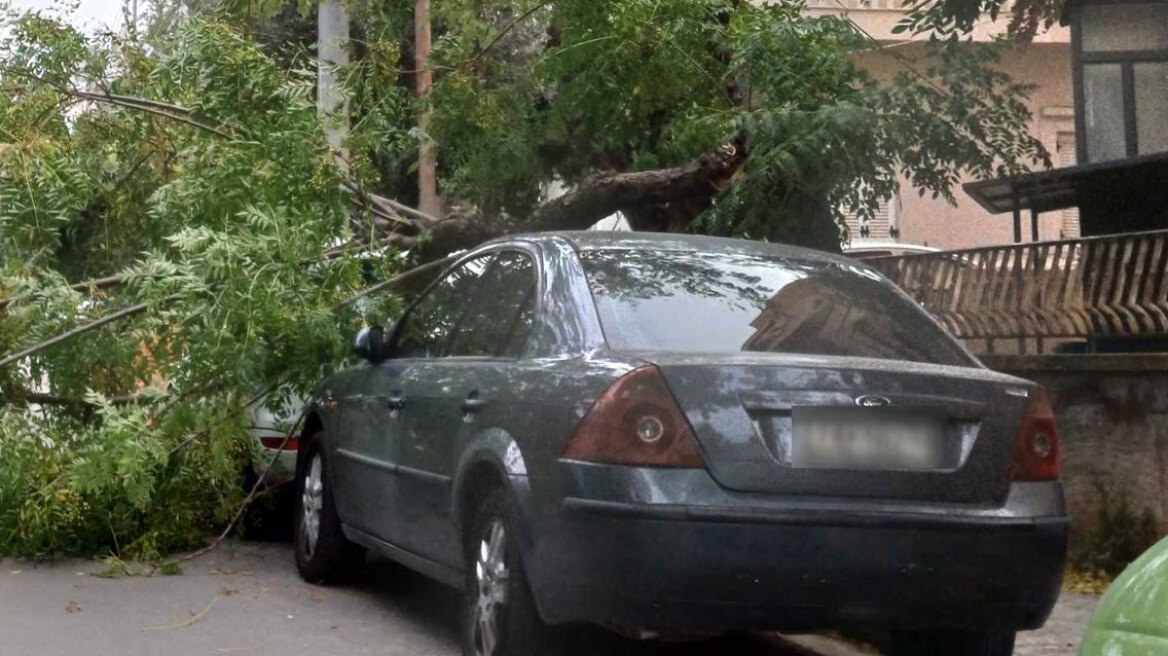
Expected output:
{"points": [[425, 330], [500, 315]]}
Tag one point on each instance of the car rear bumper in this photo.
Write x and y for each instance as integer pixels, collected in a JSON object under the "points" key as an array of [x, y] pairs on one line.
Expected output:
{"points": [[283, 468], [700, 569]]}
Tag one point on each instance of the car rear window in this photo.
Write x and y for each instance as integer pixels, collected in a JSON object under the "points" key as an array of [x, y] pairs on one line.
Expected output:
{"points": [[725, 302]]}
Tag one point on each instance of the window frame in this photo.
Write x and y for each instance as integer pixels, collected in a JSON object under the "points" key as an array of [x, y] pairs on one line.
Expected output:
{"points": [[1127, 59], [395, 338], [536, 308], [492, 253]]}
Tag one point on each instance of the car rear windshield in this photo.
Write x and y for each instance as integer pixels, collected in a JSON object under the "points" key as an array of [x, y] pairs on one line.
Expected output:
{"points": [[723, 302]]}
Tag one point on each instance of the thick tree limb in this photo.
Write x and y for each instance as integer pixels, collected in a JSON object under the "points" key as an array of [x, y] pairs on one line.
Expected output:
{"points": [[602, 195], [592, 200]]}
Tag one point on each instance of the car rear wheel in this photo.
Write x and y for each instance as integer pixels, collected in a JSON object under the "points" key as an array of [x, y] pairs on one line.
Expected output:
{"points": [[500, 617], [954, 643], [323, 553]]}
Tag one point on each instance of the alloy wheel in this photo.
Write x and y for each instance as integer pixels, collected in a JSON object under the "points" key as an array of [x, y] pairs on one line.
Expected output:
{"points": [[491, 575], [311, 502]]}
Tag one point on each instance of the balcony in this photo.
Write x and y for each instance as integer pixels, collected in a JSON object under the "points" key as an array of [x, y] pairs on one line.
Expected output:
{"points": [[1112, 286]]}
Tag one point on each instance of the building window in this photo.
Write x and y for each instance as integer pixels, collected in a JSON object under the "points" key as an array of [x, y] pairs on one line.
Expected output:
{"points": [[1124, 27], [1103, 111], [1069, 217], [1151, 81], [1122, 78]]}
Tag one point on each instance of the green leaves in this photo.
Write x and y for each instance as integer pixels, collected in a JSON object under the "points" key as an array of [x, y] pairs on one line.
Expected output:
{"points": [[141, 436]]}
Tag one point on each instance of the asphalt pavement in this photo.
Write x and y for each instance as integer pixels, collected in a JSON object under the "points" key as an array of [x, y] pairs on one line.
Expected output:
{"points": [[245, 598]]}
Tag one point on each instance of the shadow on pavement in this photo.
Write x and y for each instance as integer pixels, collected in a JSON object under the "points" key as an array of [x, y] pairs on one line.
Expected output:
{"points": [[436, 607]]}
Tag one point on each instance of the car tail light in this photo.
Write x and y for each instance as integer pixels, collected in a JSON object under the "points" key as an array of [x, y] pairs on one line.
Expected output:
{"points": [[1036, 452], [635, 422], [293, 443]]}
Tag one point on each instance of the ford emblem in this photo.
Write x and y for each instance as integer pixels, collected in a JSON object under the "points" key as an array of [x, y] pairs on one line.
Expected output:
{"points": [[872, 401]]}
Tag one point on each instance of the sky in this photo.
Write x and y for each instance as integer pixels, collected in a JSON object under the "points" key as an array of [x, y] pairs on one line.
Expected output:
{"points": [[90, 14]]}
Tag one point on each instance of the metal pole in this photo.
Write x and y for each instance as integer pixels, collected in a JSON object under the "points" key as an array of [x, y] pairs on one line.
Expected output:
{"points": [[428, 200], [1033, 224]]}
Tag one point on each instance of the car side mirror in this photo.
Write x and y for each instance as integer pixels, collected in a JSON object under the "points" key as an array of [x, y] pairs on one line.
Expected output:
{"points": [[371, 344]]}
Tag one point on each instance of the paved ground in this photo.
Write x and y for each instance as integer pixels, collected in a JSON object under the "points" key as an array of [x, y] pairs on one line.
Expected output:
{"points": [[246, 599], [1063, 631]]}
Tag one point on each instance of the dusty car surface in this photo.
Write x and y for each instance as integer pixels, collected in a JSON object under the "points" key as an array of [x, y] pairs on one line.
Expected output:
{"points": [[673, 436], [1132, 618]]}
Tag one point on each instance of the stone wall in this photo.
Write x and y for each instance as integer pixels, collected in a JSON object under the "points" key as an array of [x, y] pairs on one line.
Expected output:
{"points": [[1112, 413]]}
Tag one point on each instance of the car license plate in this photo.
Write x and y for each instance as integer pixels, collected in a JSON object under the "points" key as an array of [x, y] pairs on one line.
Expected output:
{"points": [[866, 438]]}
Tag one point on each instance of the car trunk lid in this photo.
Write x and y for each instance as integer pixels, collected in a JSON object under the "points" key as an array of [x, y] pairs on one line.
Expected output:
{"points": [[743, 408]]}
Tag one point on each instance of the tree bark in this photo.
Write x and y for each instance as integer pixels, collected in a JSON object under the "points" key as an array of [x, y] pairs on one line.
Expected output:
{"points": [[591, 200]]}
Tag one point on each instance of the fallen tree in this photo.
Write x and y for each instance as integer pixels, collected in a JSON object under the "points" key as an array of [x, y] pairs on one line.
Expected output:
{"points": [[177, 238]]}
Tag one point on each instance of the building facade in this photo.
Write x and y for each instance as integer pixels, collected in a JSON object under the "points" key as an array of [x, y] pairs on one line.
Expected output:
{"points": [[1045, 63]]}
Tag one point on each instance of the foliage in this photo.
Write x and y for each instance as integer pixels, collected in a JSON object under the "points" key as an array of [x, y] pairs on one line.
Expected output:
{"points": [[1119, 536], [222, 235], [627, 85], [529, 93], [1088, 583]]}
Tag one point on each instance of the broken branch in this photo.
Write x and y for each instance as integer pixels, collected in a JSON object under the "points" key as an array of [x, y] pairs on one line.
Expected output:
{"points": [[93, 325]]}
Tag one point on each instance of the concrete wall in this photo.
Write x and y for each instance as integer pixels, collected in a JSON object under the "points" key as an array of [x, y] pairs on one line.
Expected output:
{"points": [[1112, 413]]}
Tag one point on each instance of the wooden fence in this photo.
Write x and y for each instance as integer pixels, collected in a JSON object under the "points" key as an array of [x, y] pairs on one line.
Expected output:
{"points": [[1115, 285]]}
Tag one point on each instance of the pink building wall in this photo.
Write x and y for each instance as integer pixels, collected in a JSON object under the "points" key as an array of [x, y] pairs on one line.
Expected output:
{"points": [[1045, 63]]}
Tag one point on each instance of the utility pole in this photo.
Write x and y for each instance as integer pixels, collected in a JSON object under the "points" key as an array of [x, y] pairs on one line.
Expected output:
{"points": [[428, 200], [332, 52]]}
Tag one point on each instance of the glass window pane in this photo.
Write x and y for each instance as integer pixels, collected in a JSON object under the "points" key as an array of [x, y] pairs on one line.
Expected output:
{"points": [[725, 302], [1151, 81], [424, 330], [498, 318], [1112, 27], [1103, 112]]}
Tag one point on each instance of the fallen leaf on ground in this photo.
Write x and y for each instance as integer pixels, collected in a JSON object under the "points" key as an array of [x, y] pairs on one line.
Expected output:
{"points": [[72, 607]]}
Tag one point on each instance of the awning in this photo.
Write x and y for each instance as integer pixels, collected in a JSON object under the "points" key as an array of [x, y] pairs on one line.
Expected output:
{"points": [[1057, 189]]}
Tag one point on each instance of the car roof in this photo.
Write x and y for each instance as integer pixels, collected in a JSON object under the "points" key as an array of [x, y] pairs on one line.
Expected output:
{"points": [[667, 241]]}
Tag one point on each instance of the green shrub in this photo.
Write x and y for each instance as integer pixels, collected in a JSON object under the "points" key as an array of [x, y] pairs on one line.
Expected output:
{"points": [[1119, 536], [114, 484]]}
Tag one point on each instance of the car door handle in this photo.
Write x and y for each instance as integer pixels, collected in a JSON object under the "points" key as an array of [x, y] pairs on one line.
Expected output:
{"points": [[396, 401], [472, 403]]}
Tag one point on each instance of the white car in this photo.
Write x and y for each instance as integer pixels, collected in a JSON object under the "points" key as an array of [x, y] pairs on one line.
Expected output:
{"points": [[269, 429], [869, 249]]}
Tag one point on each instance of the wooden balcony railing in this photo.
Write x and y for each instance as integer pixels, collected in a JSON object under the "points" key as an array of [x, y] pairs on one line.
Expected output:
{"points": [[1114, 285]]}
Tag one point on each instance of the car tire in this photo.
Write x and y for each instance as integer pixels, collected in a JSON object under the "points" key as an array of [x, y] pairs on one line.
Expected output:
{"points": [[499, 613], [954, 643], [323, 553]]}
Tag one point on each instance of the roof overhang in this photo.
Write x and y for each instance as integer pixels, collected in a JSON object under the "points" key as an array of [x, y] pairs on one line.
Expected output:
{"points": [[1057, 189]]}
